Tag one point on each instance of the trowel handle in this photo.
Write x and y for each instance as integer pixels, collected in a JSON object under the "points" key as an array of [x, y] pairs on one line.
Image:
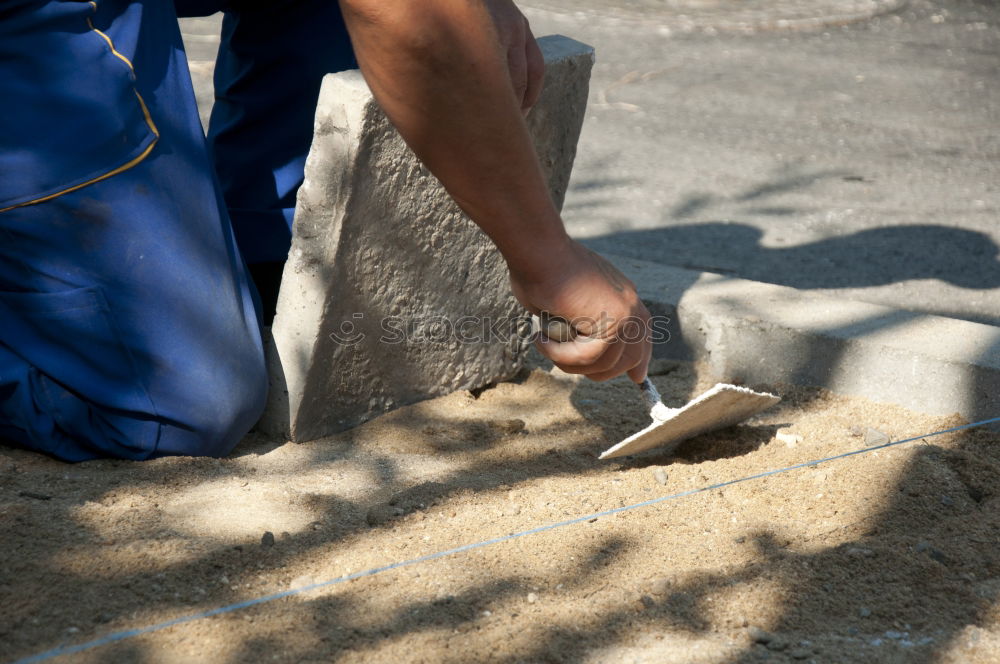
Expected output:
{"points": [[553, 327], [559, 329], [650, 393]]}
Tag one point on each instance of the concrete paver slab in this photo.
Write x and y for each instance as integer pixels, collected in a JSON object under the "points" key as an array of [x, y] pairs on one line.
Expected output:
{"points": [[390, 294]]}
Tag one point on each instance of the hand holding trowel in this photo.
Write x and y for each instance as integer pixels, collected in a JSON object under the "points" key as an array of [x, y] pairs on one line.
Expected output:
{"points": [[719, 407]]}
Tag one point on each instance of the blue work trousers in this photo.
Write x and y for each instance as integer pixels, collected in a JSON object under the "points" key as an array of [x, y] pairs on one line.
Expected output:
{"points": [[130, 326]]}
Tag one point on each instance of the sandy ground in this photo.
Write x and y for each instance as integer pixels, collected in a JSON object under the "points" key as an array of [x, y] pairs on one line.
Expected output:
{"points": [[890, 556]]}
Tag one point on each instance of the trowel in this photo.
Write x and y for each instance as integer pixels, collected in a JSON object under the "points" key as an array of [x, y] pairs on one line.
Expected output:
{"points": [[722, 406]]}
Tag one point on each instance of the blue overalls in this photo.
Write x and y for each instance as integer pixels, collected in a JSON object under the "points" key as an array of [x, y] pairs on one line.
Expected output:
{"points": [[129, 323]]}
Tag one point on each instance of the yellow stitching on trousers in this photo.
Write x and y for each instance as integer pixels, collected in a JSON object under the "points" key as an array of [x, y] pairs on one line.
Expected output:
{"points": [[124, 167]]}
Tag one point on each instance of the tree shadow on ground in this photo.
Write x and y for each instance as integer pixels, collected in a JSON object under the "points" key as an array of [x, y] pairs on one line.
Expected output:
{"points": [[39, 490], [933, 543], [942, 514], [712, 232], [871, 257]]}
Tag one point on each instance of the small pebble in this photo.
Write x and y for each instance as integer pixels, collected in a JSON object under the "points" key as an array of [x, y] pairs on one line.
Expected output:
{"points": [[874, 437], [876, 642], [302, 581], [661, 586], [864, 612], [777, 644], [922, 546], [532, 598], [799, 653], [660, 475], [224, 580], [937, 556], [788, 438], [511, 426], [267, 539], [759, 635], [894, 635], [853, 631], [947, 501]]}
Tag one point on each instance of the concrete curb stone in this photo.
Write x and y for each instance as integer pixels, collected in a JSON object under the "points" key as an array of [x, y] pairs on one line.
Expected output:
{"points": [[755, 332]]}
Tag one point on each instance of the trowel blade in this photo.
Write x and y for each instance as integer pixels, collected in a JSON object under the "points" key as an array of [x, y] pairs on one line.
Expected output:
{"points": [[719, 407]]}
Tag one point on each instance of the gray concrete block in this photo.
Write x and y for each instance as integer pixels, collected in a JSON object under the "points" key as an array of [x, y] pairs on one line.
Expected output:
{"points": [[761, 333], [391, 294]]}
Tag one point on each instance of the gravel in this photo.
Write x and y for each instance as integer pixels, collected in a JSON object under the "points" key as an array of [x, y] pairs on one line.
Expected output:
{"points": [[874, 437], [660, 475]]}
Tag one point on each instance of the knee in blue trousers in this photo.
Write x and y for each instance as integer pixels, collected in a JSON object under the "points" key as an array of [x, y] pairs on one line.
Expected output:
{"points": [[129, 324]]}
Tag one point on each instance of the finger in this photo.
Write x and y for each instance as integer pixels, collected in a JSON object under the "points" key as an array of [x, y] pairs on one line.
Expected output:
{"points": [[631, 357], [603, 377], [581, 353], [605, 363], [638, 372], [535, 70], [635, 330]]}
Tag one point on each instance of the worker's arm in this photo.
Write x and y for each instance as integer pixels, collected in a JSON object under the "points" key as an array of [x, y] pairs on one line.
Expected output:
{"points": [[455, 77]]}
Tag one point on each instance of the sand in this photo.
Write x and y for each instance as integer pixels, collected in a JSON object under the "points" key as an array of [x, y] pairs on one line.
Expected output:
{"points": [[890, 556]]}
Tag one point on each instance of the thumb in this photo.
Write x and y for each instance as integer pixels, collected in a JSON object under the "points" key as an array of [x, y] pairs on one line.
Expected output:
{"points": [[581, 352]]}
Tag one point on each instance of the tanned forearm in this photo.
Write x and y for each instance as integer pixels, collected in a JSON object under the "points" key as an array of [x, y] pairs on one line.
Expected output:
{"points": [[440, 73], [449, 74]]}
